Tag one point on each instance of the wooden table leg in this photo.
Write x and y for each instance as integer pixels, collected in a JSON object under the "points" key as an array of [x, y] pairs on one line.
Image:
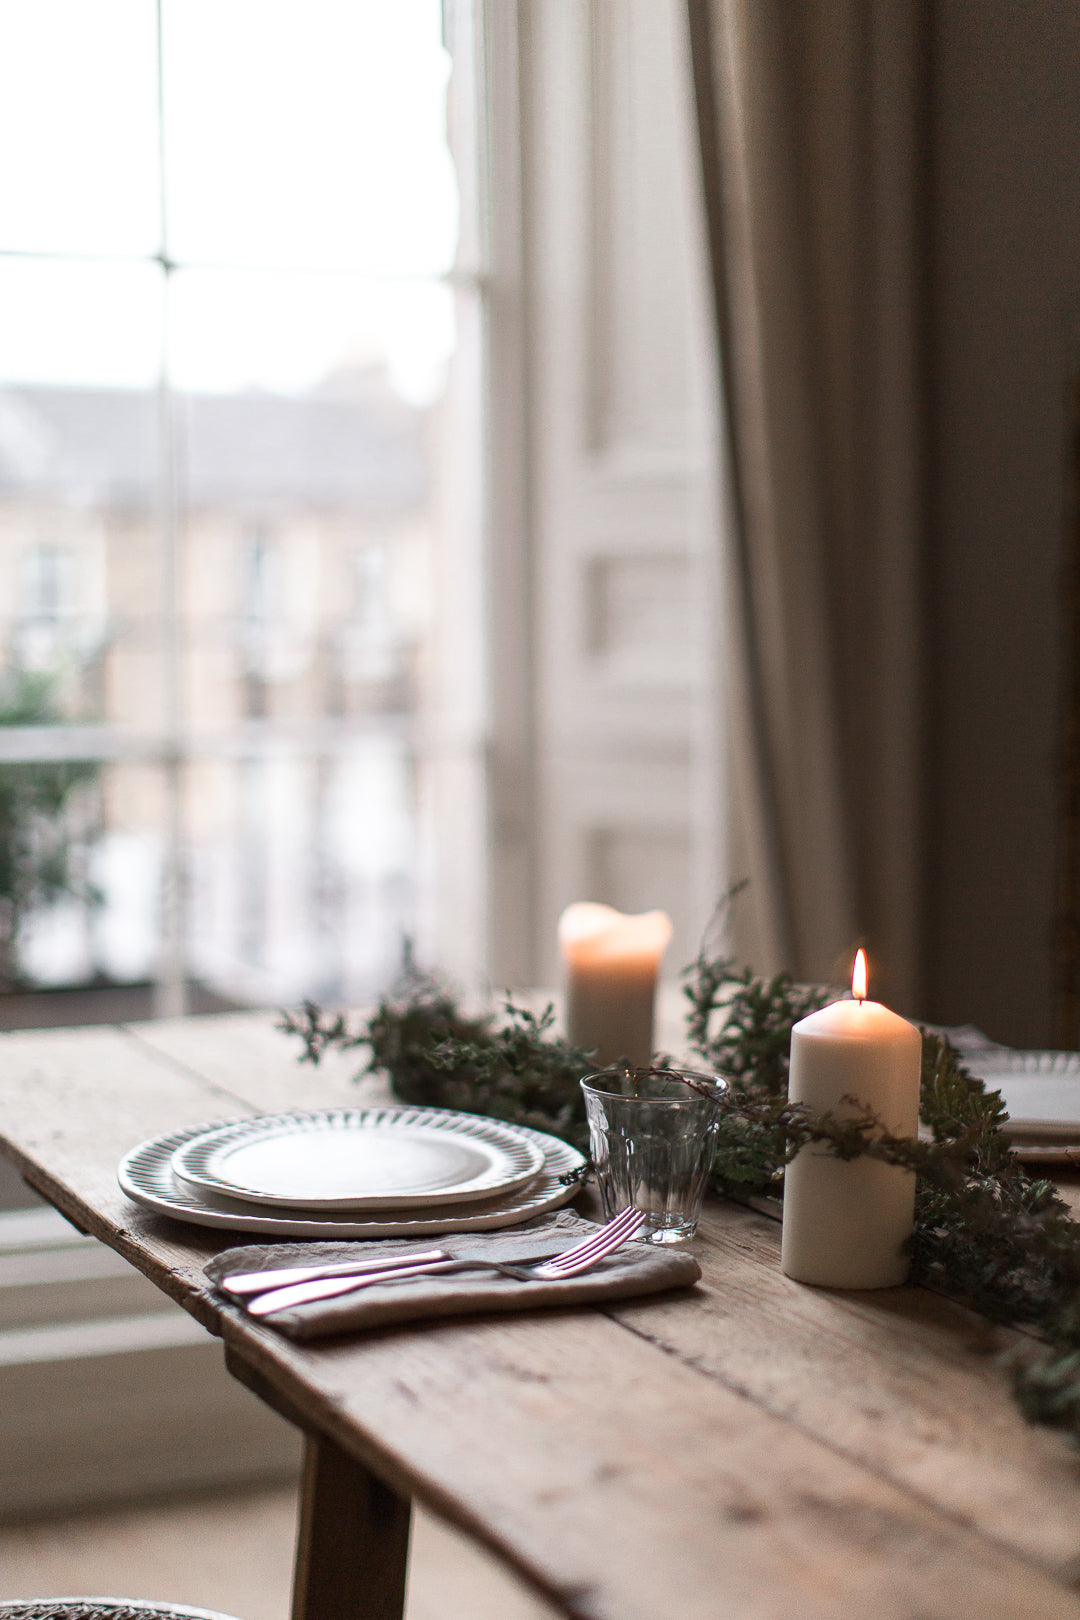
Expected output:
{"points": [[353, 1544]]}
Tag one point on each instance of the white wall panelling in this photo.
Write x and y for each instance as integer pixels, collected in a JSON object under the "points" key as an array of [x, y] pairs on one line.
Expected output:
{"points": [[622, 512]]}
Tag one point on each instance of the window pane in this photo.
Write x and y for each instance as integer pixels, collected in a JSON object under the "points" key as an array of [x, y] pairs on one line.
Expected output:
{"points": [[80, 563], [50, 829], [287, 333], [82, 325], [105, 923], [308, 132], [300, 870], [306, 418], [310, 421], [276, 505], [78, 126]]}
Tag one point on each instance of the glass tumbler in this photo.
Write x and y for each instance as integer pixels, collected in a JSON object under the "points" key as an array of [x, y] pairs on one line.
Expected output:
{"points": [[652, 1133]]}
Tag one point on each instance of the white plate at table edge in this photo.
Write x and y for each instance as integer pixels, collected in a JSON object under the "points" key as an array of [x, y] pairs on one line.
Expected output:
{"points": [[997, 1065], [145, 1176], [513, 1159]]}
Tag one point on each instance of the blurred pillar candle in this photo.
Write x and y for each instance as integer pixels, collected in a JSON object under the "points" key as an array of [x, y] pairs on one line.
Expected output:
{"points": [[610, 963], [847, 1222]]}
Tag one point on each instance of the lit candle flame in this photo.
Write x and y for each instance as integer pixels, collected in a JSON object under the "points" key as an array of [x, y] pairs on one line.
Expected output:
{"points": [[858, 976]]}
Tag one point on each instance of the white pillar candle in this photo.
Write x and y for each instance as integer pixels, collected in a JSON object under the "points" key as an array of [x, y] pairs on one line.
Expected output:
{"points": [[610, 962], [846, 1221]]}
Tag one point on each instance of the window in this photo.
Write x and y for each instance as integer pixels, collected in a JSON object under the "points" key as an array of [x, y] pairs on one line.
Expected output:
{"points": [[231, 295], [336, 685]]}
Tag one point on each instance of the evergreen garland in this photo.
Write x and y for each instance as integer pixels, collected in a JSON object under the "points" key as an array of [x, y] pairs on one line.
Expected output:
{"points": [[986, 1232], [437, 1056]]}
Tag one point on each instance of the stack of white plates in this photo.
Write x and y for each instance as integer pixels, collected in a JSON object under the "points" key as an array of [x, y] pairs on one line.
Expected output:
{"points": [[352, 1173]]}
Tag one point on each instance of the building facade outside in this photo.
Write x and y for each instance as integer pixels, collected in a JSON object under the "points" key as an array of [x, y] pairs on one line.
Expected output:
{"points": [[283, 655]]}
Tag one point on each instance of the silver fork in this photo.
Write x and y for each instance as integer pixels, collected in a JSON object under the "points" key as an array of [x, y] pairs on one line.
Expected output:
{"points": [[244, 1283], [583, 1255]]}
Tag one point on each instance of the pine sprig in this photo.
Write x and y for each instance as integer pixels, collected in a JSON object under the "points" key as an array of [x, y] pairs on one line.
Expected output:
{"points": [[519, 1072], [740, 1026]]}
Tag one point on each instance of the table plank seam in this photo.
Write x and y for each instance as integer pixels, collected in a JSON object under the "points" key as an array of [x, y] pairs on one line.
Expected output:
{"points": [[884, 1476]]}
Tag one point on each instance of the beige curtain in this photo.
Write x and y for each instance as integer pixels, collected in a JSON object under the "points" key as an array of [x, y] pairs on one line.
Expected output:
{"points": [[811, 115]]}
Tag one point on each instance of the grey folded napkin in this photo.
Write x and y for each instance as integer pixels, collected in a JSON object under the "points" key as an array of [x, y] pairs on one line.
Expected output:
{"points": [[636, 1268]]}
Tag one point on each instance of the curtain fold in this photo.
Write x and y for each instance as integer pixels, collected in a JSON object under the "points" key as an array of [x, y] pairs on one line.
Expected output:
{"points": [[811, 115]]}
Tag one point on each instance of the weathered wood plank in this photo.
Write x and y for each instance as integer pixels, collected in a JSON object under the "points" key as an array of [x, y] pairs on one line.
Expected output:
{"points": [[902, 1381], [623, 1483], [246, 1054]]}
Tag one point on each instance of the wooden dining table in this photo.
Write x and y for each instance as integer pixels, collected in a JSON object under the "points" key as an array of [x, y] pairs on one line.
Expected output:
{"points": [[746, 1448]]}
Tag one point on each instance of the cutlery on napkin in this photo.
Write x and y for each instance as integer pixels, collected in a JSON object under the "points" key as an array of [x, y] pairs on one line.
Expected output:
{"points": [[636, 1268]]}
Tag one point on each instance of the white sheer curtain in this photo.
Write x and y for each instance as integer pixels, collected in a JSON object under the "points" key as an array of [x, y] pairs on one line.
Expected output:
{"points": [[811, 117]]}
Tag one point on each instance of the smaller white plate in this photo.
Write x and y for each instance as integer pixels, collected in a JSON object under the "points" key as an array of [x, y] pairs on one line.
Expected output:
{"points": [[1041, 1090], [359, 1159]]}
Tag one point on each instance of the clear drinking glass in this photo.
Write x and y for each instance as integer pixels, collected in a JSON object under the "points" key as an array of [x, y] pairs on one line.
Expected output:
{"points": [[652, 1133]]}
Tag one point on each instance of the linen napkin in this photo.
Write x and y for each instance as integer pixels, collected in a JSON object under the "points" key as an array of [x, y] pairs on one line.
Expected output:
{"points": [[636, 1268]]}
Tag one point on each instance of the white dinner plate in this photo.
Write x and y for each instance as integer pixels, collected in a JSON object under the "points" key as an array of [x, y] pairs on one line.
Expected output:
{"points": [[146, 1176], [1041, 1090], [358, 1159]]}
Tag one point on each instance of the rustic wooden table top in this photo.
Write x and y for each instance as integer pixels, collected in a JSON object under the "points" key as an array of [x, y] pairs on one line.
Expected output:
{"points": [[748, 1448]]}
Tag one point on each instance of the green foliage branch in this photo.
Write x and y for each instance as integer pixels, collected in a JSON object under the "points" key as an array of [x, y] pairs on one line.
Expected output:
{"points": [[514, 1068], [986, 1232], [41, 854]]}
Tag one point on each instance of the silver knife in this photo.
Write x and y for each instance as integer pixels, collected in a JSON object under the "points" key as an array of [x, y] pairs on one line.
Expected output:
{"points": [[242, 1283], [304, 1293]]}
